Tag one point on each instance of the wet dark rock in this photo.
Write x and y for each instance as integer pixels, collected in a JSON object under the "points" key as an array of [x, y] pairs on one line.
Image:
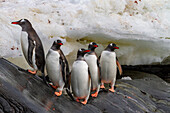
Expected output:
{"points": [[163, 71], [22, 92]]}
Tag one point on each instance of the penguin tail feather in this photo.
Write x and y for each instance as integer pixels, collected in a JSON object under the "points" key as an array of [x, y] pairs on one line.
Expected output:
{"points": [[44, 79], [69, 93]]}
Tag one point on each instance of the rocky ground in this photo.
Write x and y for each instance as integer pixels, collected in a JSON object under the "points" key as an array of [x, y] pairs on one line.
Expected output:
{"points": [[21, 92]]}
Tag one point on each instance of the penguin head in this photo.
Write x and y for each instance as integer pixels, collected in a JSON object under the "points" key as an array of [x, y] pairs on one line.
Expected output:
{"points": [[24, 23], [112, 47], [56, 44], [81, 52], [92, 46]]}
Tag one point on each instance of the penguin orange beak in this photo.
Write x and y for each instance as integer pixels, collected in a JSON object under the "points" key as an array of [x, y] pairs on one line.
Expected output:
{"points": [[86, 51], [60, 43], [14, 22], [116, 47], [95, 45]]}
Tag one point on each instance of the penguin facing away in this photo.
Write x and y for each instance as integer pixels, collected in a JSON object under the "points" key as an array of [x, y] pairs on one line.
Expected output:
{"points": [[109, 63], [32, 47], [57, 67], [93, 63], [80, 79]]}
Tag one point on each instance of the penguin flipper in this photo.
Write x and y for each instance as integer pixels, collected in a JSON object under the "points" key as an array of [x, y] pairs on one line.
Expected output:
{"points": [[68, 87], [86, 99], [30, 50], [99, 70], [67, 72], [65, 67], [40, 62], [62, 69], [99, 57], [66, 63], [39, 54], [119, 67]]}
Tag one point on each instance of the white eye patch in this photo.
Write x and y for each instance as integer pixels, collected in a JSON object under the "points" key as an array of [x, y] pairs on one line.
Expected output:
{"points": [[91, 43], [22, 20]]}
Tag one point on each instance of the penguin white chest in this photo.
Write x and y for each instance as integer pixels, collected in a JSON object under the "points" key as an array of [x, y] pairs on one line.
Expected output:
{"points": [[108, 66], [53, 67], [24, 44], [80, 79], [92, 63]]}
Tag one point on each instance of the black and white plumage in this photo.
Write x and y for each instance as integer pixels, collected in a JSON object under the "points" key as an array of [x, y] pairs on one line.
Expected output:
{"points": [[80, 79], [32, 47], [94, 67], [57, 67], [109, 63]]}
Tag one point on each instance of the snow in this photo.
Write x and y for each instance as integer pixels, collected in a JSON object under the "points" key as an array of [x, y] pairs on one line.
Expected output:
{"points": [[141, 28]]}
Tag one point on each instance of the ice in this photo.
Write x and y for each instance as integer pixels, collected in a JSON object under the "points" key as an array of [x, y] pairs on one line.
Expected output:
{"points": [[126, 78], [141, 28]]}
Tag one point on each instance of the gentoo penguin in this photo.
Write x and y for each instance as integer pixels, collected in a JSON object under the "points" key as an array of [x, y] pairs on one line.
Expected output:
{"points": [[57, 67], [32, 47], [109, 63], [93, 63], [80, 78]]}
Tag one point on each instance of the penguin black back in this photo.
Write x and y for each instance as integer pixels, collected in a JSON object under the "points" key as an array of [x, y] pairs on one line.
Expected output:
{"points": [[34, 52]]}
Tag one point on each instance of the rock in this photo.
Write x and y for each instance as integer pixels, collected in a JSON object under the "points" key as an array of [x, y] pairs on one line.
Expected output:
{"points": [[23, 92], [163, 71]]}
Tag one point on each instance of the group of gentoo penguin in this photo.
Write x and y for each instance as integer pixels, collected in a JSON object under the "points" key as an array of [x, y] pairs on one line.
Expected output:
{"points": [[88, 74]]}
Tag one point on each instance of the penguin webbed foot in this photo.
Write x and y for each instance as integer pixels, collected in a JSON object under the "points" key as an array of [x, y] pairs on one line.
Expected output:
{"points": [[81, 100], [94, 94], [58, 93], [84, 102], [32, 72], [77, 100], [51, 85], [102, 86], [112, 89]]}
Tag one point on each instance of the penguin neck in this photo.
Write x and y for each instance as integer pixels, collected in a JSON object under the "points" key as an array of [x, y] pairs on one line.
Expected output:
{"points": [[27, 28], [109, 49], [92, 49], [80, 57]]}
